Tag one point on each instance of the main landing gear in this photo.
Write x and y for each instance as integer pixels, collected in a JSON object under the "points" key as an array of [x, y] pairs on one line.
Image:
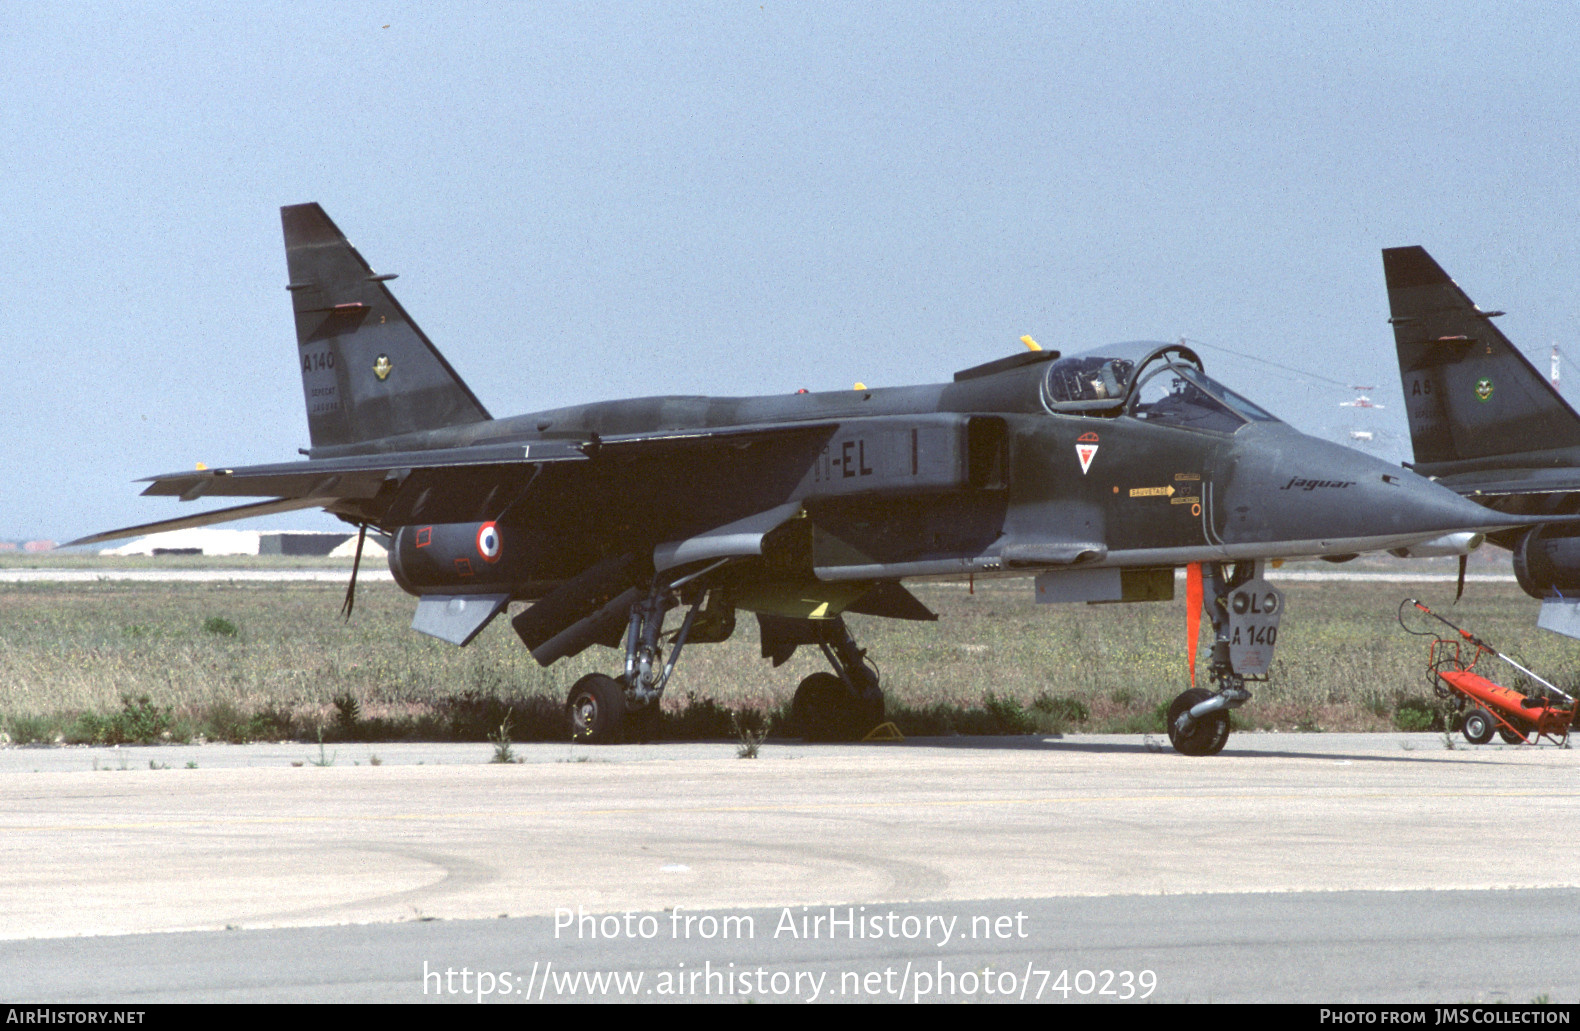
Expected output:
{"points": [[842, 705], [1245, 611], [605, 709], [839, 706]]}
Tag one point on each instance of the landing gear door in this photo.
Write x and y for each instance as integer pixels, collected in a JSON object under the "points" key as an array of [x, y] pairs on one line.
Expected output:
{"points": [[1255, 608]]}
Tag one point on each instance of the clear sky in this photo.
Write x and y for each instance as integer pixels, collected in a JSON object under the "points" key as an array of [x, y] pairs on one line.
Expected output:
{"points": [[589, 201]]}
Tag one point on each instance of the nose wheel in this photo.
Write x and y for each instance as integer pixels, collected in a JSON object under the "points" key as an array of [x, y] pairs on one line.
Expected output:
{"points": [[1204, 735]]}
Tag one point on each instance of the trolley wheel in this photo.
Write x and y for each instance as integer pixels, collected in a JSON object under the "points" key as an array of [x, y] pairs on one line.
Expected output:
{"points": [[1512, 737], [1479, 726]]}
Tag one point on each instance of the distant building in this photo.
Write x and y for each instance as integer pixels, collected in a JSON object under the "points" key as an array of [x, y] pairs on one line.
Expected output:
{"points": [[36, 546], [7, 545], [207, 541]]}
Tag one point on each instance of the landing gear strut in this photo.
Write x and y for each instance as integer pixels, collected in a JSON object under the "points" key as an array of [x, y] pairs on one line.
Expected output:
{"points": [[604, 709], [838, 706], [1245, 611], [842, 705]]}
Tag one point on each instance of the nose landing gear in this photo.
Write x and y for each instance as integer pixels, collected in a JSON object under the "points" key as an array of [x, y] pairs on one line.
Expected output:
{"points": [[1245, 611]]}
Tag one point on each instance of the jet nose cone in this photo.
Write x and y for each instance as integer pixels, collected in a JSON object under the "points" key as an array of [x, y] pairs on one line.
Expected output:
{"points": [[1316, 497]]}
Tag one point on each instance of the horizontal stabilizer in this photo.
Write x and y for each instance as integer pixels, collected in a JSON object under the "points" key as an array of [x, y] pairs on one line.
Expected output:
{"points": [[223, 515]]}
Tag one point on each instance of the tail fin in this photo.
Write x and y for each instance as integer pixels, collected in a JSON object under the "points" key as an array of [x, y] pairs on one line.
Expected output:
{"points": [[367, 370], [1468, 393]]}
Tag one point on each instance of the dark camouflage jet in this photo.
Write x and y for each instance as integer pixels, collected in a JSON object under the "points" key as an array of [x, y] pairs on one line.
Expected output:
{"points": [[1483, 421], [1098, 474]]}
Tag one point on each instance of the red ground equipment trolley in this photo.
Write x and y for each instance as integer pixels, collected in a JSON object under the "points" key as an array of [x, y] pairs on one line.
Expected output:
{"points": [[1517, 717]]}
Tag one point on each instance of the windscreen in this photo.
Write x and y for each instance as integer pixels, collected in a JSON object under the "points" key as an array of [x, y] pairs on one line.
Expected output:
{"points": [[1177, 394]]}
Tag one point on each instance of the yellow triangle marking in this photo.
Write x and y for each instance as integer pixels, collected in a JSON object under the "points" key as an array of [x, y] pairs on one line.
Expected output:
{"points": [[886, 731]]}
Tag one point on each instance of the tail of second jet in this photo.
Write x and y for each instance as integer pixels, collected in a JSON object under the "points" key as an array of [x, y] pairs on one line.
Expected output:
{"points": [[1468, 393], [367, 370]]}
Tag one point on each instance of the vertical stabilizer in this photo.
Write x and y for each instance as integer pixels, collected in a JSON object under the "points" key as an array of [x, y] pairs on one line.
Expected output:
{"points": [[367, 370], [1468, 393]]}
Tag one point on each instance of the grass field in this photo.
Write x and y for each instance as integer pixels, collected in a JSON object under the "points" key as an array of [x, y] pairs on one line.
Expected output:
{"points": [[133, 661]]}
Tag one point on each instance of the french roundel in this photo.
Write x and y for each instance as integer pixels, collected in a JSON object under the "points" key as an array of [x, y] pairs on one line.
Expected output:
{"points": [[488, 544]]}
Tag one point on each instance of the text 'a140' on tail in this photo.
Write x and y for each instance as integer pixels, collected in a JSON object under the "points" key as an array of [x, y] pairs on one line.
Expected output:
{"points": [[368, 371]]}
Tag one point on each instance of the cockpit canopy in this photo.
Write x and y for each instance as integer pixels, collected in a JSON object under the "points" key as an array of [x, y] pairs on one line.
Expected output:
{"points": [[1157, 383]]}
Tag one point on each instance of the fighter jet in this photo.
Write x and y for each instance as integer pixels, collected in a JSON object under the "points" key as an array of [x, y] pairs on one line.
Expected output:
{"points": [[1098, 474], [1483, 421]]}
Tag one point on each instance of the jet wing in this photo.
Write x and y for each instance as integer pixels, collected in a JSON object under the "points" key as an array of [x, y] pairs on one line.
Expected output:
{"points": [[450, 484], [359, 476], [365, 476], [442, 485]]}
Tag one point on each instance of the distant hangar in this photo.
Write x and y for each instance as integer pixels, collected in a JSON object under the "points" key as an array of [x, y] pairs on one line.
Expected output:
{"points": [[208, 541]]}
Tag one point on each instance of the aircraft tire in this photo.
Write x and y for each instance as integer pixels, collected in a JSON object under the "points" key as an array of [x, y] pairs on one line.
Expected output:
{"points": [[1207, 736], [825, 710], [596, 707], [1479, 726]]}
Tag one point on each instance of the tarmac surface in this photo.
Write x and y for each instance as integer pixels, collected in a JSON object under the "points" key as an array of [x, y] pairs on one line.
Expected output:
{"points": [[1370, 860]]}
